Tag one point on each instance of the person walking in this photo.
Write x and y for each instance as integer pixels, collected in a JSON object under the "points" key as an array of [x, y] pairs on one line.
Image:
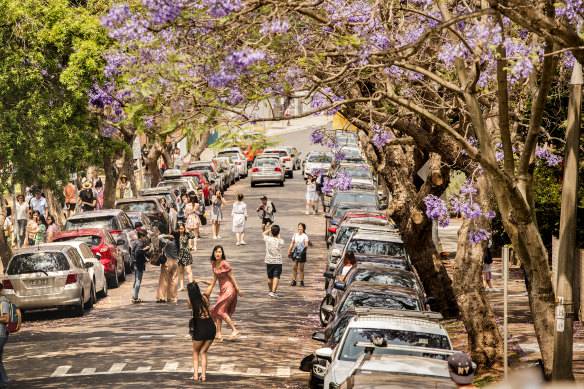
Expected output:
{"points": [[185, 258], [99, 190], [266, 212], [201, 328], [310, 195], [273, 258], [216, 213], [182, 202], [124, 187], [461, 370], [239, 214], [31, 226], [40, 232], [39, 203], [318, 179], [4, 319], [168, 282], [52, 229], [228, 291], [178, 160], [297, 251], [487, 274], [141, 248], [21, 217], [69, 191], [202, 209], [193, 221], [87, 199]]}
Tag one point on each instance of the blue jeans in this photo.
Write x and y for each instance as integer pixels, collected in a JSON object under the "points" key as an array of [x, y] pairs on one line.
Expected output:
{"points": [[137, 281], [3, 376]]}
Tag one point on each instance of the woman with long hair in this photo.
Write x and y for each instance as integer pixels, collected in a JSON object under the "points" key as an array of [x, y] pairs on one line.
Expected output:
{"points": [[192, 215], [216, 213], [185, 258], [297, 251], [52, 229], [348, 262], [124, 187], [227, 301], [202, 328], [40, 232]]}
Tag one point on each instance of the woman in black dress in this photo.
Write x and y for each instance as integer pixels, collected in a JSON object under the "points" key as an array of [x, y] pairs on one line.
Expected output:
{"points": [[202, 328]]}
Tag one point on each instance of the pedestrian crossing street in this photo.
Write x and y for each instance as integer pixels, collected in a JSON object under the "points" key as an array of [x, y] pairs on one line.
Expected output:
{"points": [[173, 367]]}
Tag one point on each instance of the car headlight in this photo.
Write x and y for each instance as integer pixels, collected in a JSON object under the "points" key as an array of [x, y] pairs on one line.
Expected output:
{"points": [[319, 370]]}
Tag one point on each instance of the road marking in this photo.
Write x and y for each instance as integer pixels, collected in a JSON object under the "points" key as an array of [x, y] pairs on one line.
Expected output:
{"points": [[170, 366], [94, 338], [145, 336], [61, 371], [283, 371], [88, 370], [117, 368], [226, 368], [168, 336], [253, 371], [144, 369]]}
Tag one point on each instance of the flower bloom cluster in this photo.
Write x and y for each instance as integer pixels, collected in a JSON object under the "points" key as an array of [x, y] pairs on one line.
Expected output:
{"points": [[341, 182], [436, 210], [545, 154], [381, 136]]}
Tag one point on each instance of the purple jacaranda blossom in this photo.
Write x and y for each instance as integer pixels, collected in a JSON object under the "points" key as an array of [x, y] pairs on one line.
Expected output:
{"points": [[317, 171], [380, 136], [338, 155], [478, 235], [317, 136], [436, 210], [241, 59], [221, 8], [275, 27]]}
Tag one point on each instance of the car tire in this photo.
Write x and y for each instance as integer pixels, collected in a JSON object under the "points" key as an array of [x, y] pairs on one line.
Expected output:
{"points": [[327, 282], [123, 275], [253, 184], [79, 309], [127, 267], [104, 290], [281, 183], [291, 175], [314, 383], [115, 281], [92, 298], [324, 318]]}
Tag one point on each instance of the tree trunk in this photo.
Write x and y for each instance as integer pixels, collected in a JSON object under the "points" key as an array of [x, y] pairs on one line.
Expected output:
{"points": [[485, 343], [56, 207], [199, 146], [112, 175], [5, 245], [152, 162]]}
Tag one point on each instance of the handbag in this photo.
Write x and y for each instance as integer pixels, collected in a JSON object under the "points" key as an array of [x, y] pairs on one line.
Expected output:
{"points": [[203, 219], [299, 252], [158, 257]]}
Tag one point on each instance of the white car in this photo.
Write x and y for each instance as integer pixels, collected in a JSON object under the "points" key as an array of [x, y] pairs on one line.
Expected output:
{"points": [[285, 158], [296, 163], [404, 332], [96, 272], [317, 160], [237, 157]]}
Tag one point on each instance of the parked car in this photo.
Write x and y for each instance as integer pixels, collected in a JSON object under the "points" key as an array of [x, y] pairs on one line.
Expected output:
{"points": [[367, 214], [295, 155], [151, 206], [238, 158], [356, 196], [115, 221], [55, 276], [316, 160], [267, 170], [96, 272], [168, 192], [190, 183], [170, 174], [410, 333], [361, 176], [284, 156], [140, 221], [224, 170], [207, 166], [336, 214], [205, 182], [101, 242]]}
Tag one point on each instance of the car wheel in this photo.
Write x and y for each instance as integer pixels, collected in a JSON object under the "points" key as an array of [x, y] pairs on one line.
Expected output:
{"points": [[115, 281], [123, 275], [127, 268], [78, 310], [314, 383], [92, 298], [253, 184], [103, 292], [291, 174], [281, 183], [324, 317], [327, 282]]}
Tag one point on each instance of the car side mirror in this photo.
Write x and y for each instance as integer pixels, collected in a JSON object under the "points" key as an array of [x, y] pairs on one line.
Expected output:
{"points": [[431, 300], [336, 253], [88, 265], [339, 286], [120, 242], [383, 207], [334, 222], [328, 274], [319, 336], [327, 309], [325, 353]]}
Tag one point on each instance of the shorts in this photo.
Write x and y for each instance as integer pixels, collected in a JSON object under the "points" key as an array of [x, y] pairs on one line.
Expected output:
{"points": [[70, 206], [266, 220], [274, 270], [487, 271]]}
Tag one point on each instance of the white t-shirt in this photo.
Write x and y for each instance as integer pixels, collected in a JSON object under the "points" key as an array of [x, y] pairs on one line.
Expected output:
{"points": [[21, 213], [346, 270], [300, 239], [274, 248]]}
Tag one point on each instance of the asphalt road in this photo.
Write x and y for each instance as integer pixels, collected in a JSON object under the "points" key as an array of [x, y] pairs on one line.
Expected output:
{"points": [[130, 345]]}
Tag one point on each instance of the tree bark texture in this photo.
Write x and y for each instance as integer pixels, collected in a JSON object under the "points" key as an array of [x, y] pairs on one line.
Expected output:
{"points": [[485, 343], [55, 202], [199, 145]]}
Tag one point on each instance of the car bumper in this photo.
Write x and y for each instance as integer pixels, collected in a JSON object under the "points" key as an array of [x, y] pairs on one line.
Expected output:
{"points": [[69, 296], [266, 178]]}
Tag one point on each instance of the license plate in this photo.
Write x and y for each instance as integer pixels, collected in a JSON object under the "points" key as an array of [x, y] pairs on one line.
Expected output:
{"points": [[39, 282]]}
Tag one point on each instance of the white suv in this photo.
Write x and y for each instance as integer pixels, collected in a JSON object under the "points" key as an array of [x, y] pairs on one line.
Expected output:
{"points": [[403, 333], [285, 158]]}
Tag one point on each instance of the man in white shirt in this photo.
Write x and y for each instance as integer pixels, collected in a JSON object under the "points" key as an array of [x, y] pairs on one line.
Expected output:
{"points": [[38, 203], [273, 260]]}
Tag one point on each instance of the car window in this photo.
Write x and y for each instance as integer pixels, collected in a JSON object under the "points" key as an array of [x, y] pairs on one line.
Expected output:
{"points": [[344, 234], [368, 275], [35, 262], [340, 330], [266, 162], [89, 240], [320, 158], [354, 197], [108, 238], [400, 265], [75, 258], [360, 173], [390, 301], [126, 223], [281, 153], [86, 251], [350, 352], [363, 246], [108, 222], [139, 206]]}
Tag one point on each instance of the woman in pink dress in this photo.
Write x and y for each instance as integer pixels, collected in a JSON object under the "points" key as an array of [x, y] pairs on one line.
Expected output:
{"points": [[226, 302], [192, 214]]}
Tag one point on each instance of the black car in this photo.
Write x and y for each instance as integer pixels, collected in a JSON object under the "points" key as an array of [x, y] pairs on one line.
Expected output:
{"points": [[356, 196], [336, 214], [151, 206], [170, 193]]}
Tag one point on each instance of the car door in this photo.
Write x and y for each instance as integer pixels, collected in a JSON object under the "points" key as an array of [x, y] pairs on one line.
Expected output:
{"points": [[82, 273], [97, 269]]}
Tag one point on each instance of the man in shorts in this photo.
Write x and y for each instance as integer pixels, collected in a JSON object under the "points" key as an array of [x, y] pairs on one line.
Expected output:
{"points": [[70, 198], [266, 213], [273, 260]]}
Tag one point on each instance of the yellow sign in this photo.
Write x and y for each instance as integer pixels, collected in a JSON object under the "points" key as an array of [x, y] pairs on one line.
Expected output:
{"points": [[340, 123]]}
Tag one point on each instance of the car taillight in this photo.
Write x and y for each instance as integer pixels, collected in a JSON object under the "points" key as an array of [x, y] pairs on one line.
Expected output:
{"points": [[7, 284], [255, 169], [278, 169], [71, 279], [115, 232], [333, 230], [158, 214], [287, 159], [239, 163]]}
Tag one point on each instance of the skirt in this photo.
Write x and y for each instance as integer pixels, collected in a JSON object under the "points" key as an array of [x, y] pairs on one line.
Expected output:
{"points": [[204, 329], [311, 196], [238, 223]]}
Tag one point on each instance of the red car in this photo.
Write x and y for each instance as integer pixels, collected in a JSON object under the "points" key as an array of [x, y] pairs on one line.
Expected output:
{"points": [[204, 183], [103, 245], [361, 214]]}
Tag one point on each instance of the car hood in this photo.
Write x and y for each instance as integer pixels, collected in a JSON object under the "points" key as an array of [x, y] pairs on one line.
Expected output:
{"points": [[402, 364]]}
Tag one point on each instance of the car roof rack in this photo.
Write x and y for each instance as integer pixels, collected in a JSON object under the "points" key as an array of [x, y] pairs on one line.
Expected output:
{"points": [[411, 349], [429, 315]]}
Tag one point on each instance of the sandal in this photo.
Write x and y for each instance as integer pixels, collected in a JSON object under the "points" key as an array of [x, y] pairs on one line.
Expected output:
{"points": [[194, 378], [232, 337], [203, 378]]}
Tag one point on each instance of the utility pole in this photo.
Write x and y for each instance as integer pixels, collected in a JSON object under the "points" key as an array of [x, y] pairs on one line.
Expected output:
{"points": [[563, 340]]}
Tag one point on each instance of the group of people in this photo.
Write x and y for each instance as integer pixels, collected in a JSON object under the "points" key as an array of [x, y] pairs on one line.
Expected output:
{"points": [[33, 224], [314, 193]]}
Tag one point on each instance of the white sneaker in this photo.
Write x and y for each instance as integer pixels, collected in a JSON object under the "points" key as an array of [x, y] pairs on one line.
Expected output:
{"points": [[243, 243], [271, 294], [307, 213], [495, 290], [487, 289], [237, 244], [214, 237], [275, 294], [218, 237]]}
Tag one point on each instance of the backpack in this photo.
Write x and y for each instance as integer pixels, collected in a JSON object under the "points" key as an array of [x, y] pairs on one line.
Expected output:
{"points": [[14, 317], [273, 207]]}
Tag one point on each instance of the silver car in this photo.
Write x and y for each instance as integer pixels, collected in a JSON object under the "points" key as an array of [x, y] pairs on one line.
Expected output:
{"points": [[267, 170], [49, 276], [237, 156], [232, 167]]}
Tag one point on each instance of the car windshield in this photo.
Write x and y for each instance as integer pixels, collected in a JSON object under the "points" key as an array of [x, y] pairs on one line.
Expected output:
{"points": [[322, 158], [90, 240], [350, 152], [266, 162], [359, 173], [232, 154], [108, 222], [364, 246], [354, 198], [350, 352], [199, 168], [390, 301], [368, 275], [167, 196], [342, 208], [142, 206], [344, 233], [37, 262]]}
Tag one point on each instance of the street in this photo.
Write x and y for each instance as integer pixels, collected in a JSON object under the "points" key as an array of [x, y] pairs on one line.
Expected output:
{"points": [[138, 345]]}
